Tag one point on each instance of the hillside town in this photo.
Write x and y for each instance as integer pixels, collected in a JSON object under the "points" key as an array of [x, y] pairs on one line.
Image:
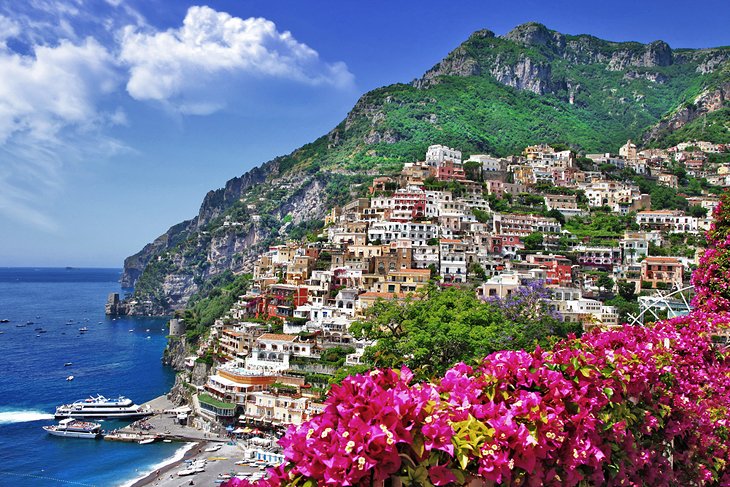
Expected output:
{"points": [[582, 226]]}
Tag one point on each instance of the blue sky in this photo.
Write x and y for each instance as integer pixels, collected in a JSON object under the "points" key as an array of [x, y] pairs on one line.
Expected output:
{"points": [[117, 116]]}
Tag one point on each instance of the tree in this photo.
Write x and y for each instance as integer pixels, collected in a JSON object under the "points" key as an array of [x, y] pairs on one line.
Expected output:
{"points": [[697, 211], [554, 213], [473, 170], [533, 241], [627, 290], [481, 216], [605, 282], [477, 271], [431, 333]]}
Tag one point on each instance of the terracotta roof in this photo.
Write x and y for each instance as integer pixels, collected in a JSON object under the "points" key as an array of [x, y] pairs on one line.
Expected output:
{"points": [[669, 260], [278, 336]]}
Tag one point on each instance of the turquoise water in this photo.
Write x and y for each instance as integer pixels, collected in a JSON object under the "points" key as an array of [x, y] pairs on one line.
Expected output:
{"points": [[116, 356]]}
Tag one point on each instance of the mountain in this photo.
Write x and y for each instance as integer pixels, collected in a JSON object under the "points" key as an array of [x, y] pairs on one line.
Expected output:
{"points": [[492, 94]]}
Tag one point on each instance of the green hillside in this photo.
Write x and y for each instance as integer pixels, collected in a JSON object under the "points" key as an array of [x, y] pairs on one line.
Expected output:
{"points": [[490, 95]]}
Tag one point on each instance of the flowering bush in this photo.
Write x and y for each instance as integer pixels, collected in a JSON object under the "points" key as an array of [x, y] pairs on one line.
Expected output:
{"points": [[632, 406], [712, 286]]}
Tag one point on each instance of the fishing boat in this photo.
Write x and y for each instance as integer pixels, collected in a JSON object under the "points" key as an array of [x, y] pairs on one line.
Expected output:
{"points": [[83, 329], [72, 428]]}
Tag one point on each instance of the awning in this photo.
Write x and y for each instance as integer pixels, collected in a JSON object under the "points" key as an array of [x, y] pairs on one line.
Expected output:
{"points": [[179, 410]]}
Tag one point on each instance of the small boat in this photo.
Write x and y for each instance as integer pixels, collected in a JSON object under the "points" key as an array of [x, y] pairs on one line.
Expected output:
{"points": [[38, 328], [37, 336], [42, 331], [147, 441], [148, 337], [4, 320], [167, 441], [20, 325], [72, 428], [30, 322], [83, 329], [68, 364], [147, 329], [213, 448], [70, 378], [131, 331]]}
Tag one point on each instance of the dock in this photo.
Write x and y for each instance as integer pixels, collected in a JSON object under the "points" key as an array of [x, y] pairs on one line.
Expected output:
{"points": [[162, 425]]}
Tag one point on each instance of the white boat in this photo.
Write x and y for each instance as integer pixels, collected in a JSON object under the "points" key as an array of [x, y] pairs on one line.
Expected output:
{"points": [[83, 329], [212, 448], [70, 378], [147, 441], [72, 428], [100, 407], [68, 364]]}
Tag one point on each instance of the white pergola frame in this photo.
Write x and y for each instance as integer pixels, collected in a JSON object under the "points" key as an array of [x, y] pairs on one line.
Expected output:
{"points": [[659, 297]]}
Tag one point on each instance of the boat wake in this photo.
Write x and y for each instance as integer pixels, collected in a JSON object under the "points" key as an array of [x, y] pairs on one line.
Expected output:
{"points": [[10, 417]]}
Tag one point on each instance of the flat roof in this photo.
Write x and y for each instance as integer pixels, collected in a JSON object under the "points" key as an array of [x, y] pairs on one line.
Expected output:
{"points": [[278, 336]]}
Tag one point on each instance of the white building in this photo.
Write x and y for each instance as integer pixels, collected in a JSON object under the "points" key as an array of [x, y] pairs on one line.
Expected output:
{"points": [[489, 163], [437, 154], [419, 233]]}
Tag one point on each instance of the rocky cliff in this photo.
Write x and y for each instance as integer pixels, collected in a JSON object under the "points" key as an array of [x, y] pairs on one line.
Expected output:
{"points": [[492, 94], [708, 101], [176, 351]]}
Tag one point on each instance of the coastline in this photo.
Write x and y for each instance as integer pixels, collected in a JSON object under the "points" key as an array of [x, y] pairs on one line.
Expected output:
{"points": [[190, 451]]}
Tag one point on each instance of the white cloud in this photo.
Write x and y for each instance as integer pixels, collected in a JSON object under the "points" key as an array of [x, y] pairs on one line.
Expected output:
{"points": [[60, 87], [56, 87], [8, 28], [182, 66], [49, 118]]}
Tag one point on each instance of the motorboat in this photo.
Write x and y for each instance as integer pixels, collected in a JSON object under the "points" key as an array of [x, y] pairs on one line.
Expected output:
{"points": [[70, 378], [101, 407], [72, 428]]}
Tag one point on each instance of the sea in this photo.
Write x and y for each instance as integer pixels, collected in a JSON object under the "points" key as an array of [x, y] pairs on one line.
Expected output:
{"points": [[114, 357]]}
